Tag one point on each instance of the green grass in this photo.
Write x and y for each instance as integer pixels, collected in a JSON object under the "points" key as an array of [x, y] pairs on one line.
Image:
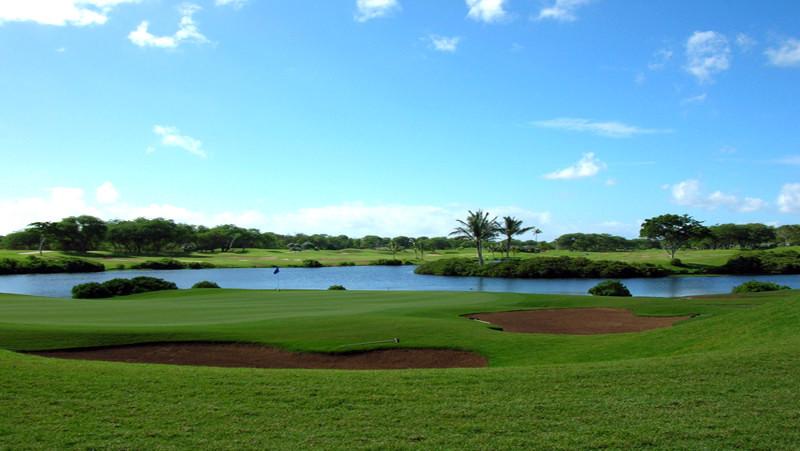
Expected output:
{"points": [[725, 379], [260, 258]]}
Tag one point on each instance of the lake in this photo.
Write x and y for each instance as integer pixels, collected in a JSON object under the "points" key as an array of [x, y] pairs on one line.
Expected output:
{"points": [[380, 278]]}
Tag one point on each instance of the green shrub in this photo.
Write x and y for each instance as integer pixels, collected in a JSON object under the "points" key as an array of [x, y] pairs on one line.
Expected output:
{"points": [[171, 263], [755, 286], [91, 290], [347, 264], [676, 262], [610, 288], [386, 262], [36, 265], [311, 264], [782, 262], [337, 288], [542, 268], [120, 287], [205, 284]]}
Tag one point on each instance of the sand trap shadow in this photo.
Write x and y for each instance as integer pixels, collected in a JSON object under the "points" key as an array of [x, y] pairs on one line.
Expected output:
{"points": [[241, 355], [575, 321]]}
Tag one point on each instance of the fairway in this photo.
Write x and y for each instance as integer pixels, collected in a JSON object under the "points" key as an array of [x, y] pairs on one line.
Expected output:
{"points": [[724, 378]]}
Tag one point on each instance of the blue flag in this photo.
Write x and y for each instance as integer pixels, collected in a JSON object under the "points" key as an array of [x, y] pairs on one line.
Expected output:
{"points": [[276, 271]]}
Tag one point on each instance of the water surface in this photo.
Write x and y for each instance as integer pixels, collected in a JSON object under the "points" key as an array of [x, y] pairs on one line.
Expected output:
{"points": [[380, 278]]}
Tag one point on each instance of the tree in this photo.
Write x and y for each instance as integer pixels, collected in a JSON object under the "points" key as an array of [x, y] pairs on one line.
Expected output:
{"points": [[394, 247], [672, 231], [45, 230], [512, 227], [477, 228]]}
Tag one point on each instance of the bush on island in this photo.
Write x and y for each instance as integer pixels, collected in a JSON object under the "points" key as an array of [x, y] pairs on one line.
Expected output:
{"points": [[542, 268], [755, 286], [205, 284], [337, 288], [120, 287], [610, 288]]}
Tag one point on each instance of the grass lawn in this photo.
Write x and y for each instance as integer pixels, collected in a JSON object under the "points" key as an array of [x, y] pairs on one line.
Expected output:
{"points": [[259, 258], [725, 379]]}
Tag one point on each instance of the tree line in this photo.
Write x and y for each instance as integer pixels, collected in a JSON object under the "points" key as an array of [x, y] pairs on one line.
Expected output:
{"points": [[142, 236]]}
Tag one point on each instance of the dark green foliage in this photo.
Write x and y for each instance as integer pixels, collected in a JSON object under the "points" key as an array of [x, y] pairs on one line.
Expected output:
{"points": [[311, 264], [782, 262], [337, 288], [755, 286], [387, 262], [673, 231], [205, 284], [91, 290], [171, 263], [120, 287], [610, 288], [676, 262], [596, 242], [347, 264], [542, 268], [36, 265]]}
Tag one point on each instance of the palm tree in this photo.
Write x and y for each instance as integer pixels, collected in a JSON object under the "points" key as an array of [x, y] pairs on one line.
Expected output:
{"points": [[394, 248], [477, 228], [512, 227]]}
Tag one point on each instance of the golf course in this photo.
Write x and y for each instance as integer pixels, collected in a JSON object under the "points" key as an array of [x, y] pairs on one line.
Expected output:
{"points": [[701, 373]]}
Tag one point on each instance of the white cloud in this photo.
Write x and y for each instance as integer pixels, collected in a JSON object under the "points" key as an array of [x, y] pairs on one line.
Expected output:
{"points": [[707, 53], [611, 182], [373, 9], [353, 219], [587, 166], [444, 43], [77, 13], [792, 160], [609, 129], [700, 98], [789, 198], [688, 193], [786, 55], [562, 10], [187, 32], [171, 137], [486, 10], [235, 3], [106, 193]]}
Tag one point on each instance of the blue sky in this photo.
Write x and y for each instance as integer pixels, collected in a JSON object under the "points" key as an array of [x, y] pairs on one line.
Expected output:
{"points": [[396, 116]]}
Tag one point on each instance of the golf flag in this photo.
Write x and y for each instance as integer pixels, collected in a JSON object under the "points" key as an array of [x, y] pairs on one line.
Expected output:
{"points": [[276, 271]]}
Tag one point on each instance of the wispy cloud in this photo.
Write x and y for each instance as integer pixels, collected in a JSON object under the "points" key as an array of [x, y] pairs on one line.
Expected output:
{"points": [[562, 10], [745, 42], [789, 198], [609, 129], [791, 160], [486, 10], [237, 4], [172, 137], [77, 13], [373, 9], [787, 54], [187, 32], [587, 166], [707, 53], [700, 98], [661, 58], [444, 43], [688, 193]]}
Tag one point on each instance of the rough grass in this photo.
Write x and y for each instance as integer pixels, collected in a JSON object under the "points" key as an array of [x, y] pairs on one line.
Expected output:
{"points": [[726, 379]]}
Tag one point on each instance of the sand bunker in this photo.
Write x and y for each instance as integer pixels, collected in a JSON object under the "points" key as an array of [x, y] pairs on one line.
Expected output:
{"points": [[256, 356], [580, 321]]}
